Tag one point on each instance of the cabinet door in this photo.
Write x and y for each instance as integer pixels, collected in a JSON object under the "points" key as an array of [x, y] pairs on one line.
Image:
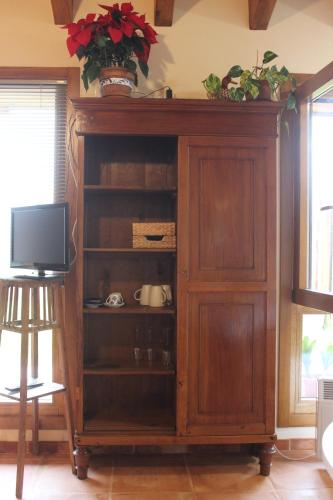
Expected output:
{"points": [[226, 283], [226, 363], [227, 189]]}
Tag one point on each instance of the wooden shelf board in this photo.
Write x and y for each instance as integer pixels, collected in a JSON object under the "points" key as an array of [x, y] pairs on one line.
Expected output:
{"points": [[130, 310], [148, 421], [126, 189], [35, 392], [129, 250], [104, 368]]}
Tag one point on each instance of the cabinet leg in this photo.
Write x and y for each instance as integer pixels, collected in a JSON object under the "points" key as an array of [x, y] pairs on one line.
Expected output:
{"points": [[82, 457], [266, 453]]}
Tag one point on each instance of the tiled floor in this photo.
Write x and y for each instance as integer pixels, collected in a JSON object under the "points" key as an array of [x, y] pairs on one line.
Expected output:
{"points": [[171, 477]]}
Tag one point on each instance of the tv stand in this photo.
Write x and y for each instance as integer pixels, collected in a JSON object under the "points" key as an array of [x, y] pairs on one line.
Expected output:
{"points": [[29, 307], [40, 276]]}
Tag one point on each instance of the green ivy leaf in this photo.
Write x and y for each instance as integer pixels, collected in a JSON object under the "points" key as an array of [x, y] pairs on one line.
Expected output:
{"points": [[246, 75], [254, 90], [284, 71], [239, 94], [236, 94], [293, 82], [291, 101], [235, 71], [269, 56], [212, 84]]}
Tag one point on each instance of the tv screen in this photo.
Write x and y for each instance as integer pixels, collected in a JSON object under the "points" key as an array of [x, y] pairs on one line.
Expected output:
{"points": [[39, 237]]}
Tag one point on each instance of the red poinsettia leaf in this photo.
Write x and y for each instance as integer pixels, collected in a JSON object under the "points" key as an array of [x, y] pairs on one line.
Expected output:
{"points": [[72, 45], [90, 18], [137, 20], [115, 34], [103, 20], [110, 8], [84, 36], [142, 21], [73, 28], [126, 28], [126, 8], [149, 34]]}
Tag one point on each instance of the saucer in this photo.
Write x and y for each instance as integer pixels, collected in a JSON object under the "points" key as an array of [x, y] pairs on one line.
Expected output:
{"points": [[114, 305], [93, 302]]}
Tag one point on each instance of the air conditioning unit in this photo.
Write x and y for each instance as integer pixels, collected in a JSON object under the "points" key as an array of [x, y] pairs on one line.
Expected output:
{"points": [[325, 422]]}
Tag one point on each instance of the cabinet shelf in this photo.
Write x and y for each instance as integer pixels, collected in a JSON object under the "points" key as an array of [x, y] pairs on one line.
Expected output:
{"points": [[130, 310], [128, 250], [104, 368], [106, 188], [148, 420]]}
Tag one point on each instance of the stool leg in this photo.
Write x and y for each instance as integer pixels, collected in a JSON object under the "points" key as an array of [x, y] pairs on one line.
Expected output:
{"points": [[3, 307], [22, 417], [64, 368], [35, 402]]}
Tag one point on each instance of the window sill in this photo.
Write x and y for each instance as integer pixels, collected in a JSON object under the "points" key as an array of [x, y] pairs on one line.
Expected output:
{"points": [[296, 432]]}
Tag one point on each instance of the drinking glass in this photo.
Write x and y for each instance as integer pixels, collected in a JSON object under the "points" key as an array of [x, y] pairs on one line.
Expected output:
{"points": [[137, 347]]}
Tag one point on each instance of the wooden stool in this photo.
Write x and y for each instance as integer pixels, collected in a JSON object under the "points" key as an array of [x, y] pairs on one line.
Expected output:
{"points": [[29, 306]]}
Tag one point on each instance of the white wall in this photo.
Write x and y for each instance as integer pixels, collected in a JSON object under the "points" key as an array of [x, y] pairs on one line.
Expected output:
{"points": [[206, 36]]}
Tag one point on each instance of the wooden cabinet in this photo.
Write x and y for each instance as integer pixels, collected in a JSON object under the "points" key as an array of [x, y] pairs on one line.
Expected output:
{"points": [[210, 167]]}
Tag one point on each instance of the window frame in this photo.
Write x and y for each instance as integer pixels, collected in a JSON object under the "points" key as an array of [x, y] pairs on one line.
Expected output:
{"points": [[51, 414], [302, 295], [294, 298]]}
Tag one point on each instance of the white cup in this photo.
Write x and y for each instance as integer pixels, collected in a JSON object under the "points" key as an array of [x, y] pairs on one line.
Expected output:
{"points": [[143, 295], [168, 293], [115, 299], [157, 296]]}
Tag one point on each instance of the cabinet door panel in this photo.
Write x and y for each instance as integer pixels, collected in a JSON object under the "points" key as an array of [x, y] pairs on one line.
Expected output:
{"points": [[227, 213], [226, 362]]}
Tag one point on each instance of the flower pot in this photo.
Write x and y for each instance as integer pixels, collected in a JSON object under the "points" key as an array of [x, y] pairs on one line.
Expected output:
{"points": [[264, 92], [116, 82]]}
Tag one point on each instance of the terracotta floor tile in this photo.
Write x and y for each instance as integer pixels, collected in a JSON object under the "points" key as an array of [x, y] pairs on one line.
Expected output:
{"points": [[153, 496], [69, 496], [309, 455], [232, 475], [315, 494], [58, 479], [8, 480], [150, 474], [263, 495], [299, 475]]}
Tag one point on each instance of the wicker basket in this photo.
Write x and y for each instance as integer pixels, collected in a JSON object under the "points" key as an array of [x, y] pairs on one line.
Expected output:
{"points": [[154, 235]]}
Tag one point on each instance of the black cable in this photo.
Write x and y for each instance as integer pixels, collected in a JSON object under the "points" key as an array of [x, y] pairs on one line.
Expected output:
{"points": [[168, 92]]}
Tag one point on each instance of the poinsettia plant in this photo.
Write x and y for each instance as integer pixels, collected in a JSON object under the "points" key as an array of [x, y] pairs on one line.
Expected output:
{"points": [[111, 39]]}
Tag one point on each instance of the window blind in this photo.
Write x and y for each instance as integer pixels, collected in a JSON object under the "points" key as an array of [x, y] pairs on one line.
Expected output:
{"points": [[35, 114]]}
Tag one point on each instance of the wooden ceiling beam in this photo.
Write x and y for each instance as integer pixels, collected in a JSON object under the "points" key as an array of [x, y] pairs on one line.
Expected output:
{"points": [[62, 11], [164, 12], [260, 12]]}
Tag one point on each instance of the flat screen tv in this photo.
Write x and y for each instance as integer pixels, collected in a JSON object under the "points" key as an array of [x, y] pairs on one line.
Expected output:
{"points": [[40, 238]]}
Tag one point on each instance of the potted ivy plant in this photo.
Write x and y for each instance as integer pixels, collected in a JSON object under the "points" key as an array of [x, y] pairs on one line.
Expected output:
{"points": [[260, 82], [112, 44]]}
